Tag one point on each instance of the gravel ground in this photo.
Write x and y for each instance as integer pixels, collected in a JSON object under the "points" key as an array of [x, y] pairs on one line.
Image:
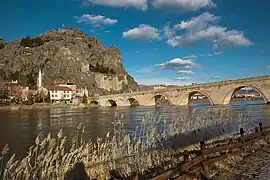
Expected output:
{"points": [[253, 167]]}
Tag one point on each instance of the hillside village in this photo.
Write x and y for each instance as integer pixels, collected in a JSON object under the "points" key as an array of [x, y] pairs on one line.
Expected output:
{"points": [[43, 93]]}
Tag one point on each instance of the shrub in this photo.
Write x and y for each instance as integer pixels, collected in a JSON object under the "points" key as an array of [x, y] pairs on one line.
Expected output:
{"points": [[31, 42], [85, 99]]}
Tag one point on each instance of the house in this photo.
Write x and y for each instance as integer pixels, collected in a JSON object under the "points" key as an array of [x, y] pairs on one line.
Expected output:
{"points": [[160, 87], [197, 96], [59, 93], [72, 86]]}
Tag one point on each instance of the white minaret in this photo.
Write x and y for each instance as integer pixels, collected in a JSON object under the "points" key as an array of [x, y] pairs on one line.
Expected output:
{"points": [[39, 80]]}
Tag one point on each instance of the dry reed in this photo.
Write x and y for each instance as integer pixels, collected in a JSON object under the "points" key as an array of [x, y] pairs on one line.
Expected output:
{"points": [[118, 150]]}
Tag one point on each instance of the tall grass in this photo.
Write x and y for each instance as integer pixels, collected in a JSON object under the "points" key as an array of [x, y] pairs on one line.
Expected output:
{"points": [[125, 152]]}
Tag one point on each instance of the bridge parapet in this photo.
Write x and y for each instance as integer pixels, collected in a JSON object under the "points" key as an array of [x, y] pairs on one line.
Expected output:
{"points": [[217, 93]]}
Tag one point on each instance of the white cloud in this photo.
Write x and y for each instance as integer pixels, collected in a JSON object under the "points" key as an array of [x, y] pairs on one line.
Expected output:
{"points": [[184, 78], [138, 4], [185, 72], [268, 67], [96, 20], [204, 28], [182, 5], [178, 65], [142, 32], [197, 23], [168, 31]]}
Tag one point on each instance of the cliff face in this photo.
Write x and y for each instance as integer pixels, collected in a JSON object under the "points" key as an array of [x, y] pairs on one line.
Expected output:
{"points": [[66, 55]]}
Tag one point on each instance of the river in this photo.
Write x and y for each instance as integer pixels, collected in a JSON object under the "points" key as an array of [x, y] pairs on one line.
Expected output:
{"points": [[20, 128]]}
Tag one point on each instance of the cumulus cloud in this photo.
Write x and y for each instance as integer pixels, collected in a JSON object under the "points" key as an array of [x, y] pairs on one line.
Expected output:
{"points": [[204, 28], [182, 5], [138, 4], [179, 65], [96, 20], [183, 78], [142, 32], [198, 23]]}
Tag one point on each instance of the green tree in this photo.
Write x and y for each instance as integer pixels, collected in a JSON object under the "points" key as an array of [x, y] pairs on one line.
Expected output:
{"points": [[38, 98], [2, 46], [48, 98], [26, 42], [85, 99], [3, 92], [18, 97], [30, 98], [31, 42]]}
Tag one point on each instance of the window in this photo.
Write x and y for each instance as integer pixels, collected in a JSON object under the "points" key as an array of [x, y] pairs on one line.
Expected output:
{"points": [[64, 91], [55, 95], [64, 95], [52, 95]]}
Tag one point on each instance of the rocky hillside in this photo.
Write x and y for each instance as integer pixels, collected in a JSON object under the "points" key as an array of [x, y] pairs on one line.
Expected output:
{"points": [[65, 55]]}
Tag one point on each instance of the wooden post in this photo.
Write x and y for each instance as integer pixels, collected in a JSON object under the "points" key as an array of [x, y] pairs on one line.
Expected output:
{"points": [[241, 132], [203, 147], [256, 129], [261, 127], [186, 156]]}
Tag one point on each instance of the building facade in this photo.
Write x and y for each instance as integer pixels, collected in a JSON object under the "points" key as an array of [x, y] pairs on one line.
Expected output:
{"points": [[59, 93]]}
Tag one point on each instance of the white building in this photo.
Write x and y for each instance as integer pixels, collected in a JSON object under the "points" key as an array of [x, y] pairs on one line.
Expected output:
{"points": [[72, 86], [59, 93], [160, 87]]}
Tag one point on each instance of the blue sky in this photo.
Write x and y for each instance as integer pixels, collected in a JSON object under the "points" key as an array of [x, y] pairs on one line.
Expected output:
{"points": [[162, 41]]}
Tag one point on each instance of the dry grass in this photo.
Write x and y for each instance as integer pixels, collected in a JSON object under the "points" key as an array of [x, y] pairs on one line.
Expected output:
{"points": [[125, 152]]}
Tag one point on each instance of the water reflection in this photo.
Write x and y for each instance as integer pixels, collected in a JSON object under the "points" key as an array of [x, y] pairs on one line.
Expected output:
{"points": [[20, 128]]}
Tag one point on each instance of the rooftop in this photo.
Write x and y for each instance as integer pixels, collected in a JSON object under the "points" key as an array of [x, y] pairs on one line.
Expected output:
{"points": [[57, 88]]}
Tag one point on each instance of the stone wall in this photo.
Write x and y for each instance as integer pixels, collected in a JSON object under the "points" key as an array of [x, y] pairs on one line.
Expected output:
{"points": [[110, 82]]}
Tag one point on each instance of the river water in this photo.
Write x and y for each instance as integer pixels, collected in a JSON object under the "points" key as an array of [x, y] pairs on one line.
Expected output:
{"points": [[20, 128]]}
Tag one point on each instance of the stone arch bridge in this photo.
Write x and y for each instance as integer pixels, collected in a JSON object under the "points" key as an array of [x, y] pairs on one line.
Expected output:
{"points": [[218, 93]]}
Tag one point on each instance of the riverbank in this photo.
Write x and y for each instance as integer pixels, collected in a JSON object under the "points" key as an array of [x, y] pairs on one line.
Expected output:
{"points": [[43, 106], [254, 166]]}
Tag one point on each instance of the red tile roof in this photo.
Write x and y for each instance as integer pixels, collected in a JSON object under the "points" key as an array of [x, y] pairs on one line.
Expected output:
{"points": [[57, 88]]}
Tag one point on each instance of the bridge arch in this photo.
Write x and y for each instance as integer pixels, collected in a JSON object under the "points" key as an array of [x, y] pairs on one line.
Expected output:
{"points": [[112, 102], [228, 96], [133, 101], [184, 100], [157, 98], [94, 103]]}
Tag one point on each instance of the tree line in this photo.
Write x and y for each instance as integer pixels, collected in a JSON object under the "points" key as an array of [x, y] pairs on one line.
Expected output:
{"points": [[101, 69]]}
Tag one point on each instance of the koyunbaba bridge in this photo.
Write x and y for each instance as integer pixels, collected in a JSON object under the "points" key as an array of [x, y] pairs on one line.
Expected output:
{"points": [[217, 93]]}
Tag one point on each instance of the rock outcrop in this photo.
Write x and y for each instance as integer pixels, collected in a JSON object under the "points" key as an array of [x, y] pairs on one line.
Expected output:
{"points": [[66, 56]]}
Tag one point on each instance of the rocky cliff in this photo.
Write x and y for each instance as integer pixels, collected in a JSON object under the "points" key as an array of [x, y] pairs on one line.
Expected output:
{"points": [[65, 56]]}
